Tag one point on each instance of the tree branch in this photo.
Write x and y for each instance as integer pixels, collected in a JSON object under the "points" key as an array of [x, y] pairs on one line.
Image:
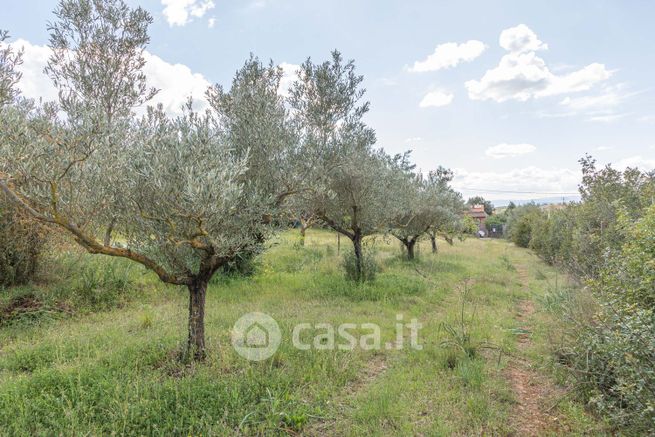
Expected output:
{"points": [[91, 244]]}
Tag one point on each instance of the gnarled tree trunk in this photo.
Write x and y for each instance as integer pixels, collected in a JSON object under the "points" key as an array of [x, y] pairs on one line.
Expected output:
{"points": [[410, 248], [433, 241], [196, 343], [357, 244], [407, 245]]}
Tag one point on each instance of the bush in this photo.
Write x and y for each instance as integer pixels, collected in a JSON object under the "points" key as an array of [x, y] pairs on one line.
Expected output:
{"points": [[495, 221], [521, 223], [370, 267], [20, 245], [245, 265], [552, 236], [102, 283], [613, 357], [608, 242]]}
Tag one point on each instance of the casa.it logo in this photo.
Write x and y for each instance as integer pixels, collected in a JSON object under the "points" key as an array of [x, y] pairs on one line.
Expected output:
{"points": [[256, 336]]}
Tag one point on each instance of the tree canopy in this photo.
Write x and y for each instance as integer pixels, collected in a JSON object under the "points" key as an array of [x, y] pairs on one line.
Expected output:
{"points": [[186, 195]]}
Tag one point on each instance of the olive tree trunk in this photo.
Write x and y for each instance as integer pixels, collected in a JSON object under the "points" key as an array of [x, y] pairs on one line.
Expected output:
{"points": [[407, 245], [357, 244], [433, 241], [196, 343], [410, 248], [303, 230]]}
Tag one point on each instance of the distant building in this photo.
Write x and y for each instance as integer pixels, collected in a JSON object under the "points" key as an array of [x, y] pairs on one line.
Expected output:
{"points": [[476, 212]]}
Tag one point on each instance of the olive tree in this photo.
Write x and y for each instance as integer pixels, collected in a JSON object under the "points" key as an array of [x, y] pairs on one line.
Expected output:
{"points": [[448, 219], [415, 213], [252, 118], [174, 194], [299, 214], [356, 202], [428, 206], [350, 181]]}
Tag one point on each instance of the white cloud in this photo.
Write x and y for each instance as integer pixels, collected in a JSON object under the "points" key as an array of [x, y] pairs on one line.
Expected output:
{"points": [[182, 12], [176, 82], [522, 183], [636, 161], [449, 55], [436, 98], [605, 101], [604, 148], [211, 22], [580, 80], [413, 140], [522, 75], [607, 118], [289, 76], [520, 39], [505, 150], [531, 182], [34, 84], [600, 107]]}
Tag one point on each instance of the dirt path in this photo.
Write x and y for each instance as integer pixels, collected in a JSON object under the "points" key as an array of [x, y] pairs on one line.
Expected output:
{"points": [[534, 392]]}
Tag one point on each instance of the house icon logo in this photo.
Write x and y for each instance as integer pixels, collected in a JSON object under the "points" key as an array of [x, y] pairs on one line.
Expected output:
{"points": [[256, 336]]}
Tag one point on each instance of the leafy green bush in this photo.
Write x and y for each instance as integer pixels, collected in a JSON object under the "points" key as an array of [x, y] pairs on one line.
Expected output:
{"points": [[243, 265], [20, 246], [608, 242], [583, 237], [521, 223], [495, 221], [102, 283], [552, 237], [613, 354], [370, 267], [591, 234]]}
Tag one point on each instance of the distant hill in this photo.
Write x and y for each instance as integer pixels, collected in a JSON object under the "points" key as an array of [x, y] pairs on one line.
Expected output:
{"points": [[541, 201]]}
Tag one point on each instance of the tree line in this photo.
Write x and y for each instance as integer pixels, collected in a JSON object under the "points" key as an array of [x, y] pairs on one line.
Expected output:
{"points": [[607, 244]]}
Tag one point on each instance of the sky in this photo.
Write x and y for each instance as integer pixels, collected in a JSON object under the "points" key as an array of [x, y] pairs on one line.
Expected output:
{"points": [[508, 94]]}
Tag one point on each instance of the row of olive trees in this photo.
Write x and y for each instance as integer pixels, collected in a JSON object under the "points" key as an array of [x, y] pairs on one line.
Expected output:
{"points": [[428, 207], [184, 196]]}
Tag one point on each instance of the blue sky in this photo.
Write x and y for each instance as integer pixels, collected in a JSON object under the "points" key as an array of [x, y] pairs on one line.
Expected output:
{"points": [[513, 95]]}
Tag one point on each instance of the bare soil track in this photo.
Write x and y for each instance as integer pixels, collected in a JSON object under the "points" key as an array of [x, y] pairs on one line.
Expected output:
{"points": [[534, 393]]}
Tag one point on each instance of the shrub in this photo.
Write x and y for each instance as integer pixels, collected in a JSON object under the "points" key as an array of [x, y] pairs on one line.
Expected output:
{"points": [[100, 283], [552, 236], [608, 242], [245, 264], [495, 221], [20, 245], [369, 266], [521, 223], [613, 357]]}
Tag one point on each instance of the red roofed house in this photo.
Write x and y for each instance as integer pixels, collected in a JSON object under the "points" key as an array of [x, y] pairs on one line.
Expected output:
{"points": [[476, 212]]}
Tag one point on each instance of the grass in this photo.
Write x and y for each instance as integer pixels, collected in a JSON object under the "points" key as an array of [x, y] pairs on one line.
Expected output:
{"points": [[111, 367]]}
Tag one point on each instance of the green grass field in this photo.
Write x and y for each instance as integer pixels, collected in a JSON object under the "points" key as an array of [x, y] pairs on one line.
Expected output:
{"points": [[113, 369]]}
